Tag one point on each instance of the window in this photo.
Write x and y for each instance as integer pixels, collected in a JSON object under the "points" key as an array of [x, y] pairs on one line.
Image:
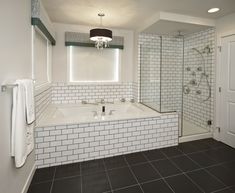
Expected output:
{"points": [[42, 59], [91, 65]]}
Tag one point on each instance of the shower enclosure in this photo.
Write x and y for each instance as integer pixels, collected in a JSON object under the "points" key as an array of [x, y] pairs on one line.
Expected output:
{"points": [[176, 74]]}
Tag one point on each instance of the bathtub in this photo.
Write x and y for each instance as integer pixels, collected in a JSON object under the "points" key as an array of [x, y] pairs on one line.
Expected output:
{"points": [[75, 133], [61, 114]]}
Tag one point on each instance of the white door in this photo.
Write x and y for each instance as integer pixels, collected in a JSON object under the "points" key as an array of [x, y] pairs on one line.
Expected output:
{"points": [[228, 90]]}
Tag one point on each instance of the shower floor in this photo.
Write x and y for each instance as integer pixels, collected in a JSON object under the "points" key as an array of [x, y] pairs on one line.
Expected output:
{"points": [[199, 166], [192, 129]]}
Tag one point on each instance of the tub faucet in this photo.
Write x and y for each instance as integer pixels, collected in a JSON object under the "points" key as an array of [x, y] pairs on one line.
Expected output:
{"points": [[102, 101], [95, 113], [123, 100], [111, 112], [84, 102]]}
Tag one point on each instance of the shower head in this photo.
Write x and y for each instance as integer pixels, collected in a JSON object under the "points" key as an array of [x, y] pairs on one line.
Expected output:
{"points": [[179, 34]]}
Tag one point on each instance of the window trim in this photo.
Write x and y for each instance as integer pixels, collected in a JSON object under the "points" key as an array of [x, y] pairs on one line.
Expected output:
{"points": [[69, 82], [49, 60]]}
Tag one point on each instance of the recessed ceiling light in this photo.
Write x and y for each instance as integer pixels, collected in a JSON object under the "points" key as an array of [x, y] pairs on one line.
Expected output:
{"points": [[213, 10]]}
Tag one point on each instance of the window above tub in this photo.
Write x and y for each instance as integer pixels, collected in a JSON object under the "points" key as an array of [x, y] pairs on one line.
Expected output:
{"points": [[86, 64]]}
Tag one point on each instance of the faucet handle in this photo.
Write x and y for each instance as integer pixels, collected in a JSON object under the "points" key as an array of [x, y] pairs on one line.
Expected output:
{"points": [[111, 112], [84, 102], [132, 100], [123, 100]]}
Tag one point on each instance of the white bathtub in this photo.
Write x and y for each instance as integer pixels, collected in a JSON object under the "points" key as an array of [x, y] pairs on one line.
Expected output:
{"points": [[86, 113]]}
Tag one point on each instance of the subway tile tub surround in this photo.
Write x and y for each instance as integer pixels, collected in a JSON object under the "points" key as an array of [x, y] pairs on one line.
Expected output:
{"points": [[63, 144], [63, 93]]}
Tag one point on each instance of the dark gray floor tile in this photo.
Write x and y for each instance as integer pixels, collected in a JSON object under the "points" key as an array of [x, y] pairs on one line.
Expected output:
{"points": [[200, 145], [226, 176], [154, 155], [67, 185], [230, 166], [171, 151], [187, 148], [115, 162], [213, 143], [207, 182], [145, 172], [158, 186], [43, 175], [133, 189], [166, 168], [184, 163], [226, 190], [222, 154], [121, 178], [95, 183], [92, 167], [202, 159], [44, 187], [135, 158], [67, 170], [181, 184]]}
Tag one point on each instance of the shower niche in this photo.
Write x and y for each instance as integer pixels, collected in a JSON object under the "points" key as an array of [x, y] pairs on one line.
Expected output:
{"points": [[176, 74]]}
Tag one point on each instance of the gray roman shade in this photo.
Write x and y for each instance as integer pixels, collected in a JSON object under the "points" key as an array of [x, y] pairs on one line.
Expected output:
{"points": [[83, 39], [36, 20]]}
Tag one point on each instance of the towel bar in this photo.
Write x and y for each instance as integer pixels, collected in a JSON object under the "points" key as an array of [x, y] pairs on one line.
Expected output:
{"points": [[5, 86]]}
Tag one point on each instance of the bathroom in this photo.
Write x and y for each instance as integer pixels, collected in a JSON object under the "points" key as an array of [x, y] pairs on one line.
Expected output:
{"points": [[153, 113]]}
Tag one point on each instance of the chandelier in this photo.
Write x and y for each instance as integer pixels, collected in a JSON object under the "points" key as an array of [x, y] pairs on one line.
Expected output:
{"points": [[101, 36]]}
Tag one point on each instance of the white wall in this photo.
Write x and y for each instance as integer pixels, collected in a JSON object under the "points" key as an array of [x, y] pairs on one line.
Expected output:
{"points": [[15, 62], [60, 52], [225, 26]]}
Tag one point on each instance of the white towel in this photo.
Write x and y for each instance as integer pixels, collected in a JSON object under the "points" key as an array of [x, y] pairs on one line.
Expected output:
{"points": [[29, 88], [22, 140]]}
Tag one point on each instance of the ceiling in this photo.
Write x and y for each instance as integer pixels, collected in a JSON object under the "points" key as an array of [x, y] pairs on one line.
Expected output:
{"points": [[129, 14], [163, 27]]}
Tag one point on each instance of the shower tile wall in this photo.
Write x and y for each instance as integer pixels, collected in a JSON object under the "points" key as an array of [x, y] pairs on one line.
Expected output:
{"points": [[65, 94], [195, 110], [171, 74], [149, 70]]}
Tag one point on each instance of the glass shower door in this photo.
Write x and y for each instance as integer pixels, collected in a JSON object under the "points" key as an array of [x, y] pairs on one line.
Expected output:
{"points": [[150, 57]]}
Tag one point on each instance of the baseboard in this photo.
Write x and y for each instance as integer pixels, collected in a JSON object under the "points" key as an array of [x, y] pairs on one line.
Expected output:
{"points": [[195, 137], [29, 179]]}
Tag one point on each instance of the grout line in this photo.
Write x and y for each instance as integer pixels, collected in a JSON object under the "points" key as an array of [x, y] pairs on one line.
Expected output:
{"points": [[184, 173], [159, 174], [204, 169], [133, 174], [53, 179], [106, 172], [81, 175]]}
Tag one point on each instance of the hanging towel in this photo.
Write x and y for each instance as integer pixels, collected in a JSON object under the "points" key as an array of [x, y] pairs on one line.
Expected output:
{"points": [[29, 88], [22, 140]]}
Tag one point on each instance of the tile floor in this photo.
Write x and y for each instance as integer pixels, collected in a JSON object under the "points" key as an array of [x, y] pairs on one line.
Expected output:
{"points": [[192, 167]]}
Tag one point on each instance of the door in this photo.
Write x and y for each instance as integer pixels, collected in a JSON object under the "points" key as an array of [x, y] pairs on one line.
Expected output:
{"points": [[228, 90]]}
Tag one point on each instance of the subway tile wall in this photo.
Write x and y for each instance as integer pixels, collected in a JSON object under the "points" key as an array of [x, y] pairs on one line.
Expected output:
{"points": [[149, 69], [171, 74], [42, 101], [58, 145], [196, 110], [65, 94], [162, 75]]}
